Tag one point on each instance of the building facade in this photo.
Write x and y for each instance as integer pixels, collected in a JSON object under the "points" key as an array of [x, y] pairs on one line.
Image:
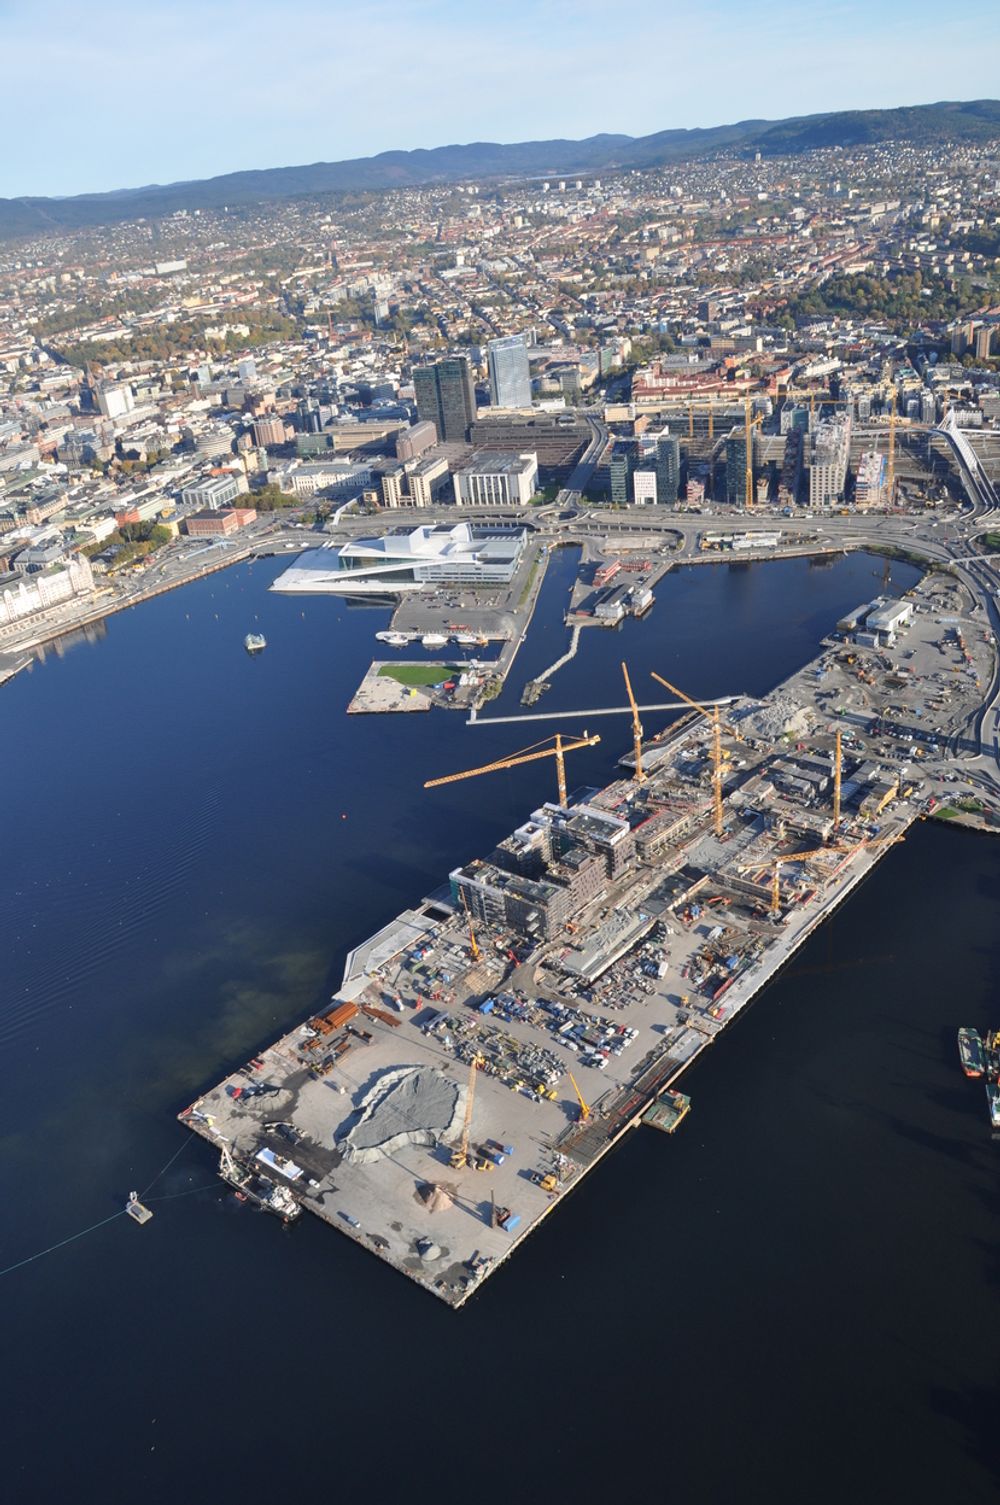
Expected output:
{"points": [[510, 379], [668, 469], [446, 397], [497, 480], [409, 560], [213, 493]]}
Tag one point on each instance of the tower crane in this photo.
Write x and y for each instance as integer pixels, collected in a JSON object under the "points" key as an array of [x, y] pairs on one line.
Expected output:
{"points": [[473, 943], [750, 423], [636, 728], [584, 1110], [460, 1154], [562, 746], [890, 479], [836, 780], [779, 862], [717, 729]]}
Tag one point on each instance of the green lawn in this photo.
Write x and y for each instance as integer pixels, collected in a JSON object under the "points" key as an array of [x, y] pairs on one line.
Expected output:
{"points": [[417, 674]]}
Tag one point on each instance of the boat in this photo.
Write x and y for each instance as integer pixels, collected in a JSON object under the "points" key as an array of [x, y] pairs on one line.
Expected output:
{"points": [[669, 1110], [394, 639], [255, 642], [466, 638], [433, 640], [250, 1186], [993, 1103], [971, 1052]]}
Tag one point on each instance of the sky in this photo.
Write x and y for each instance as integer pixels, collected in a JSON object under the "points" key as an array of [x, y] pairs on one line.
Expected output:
{"points": [[121, 93]]}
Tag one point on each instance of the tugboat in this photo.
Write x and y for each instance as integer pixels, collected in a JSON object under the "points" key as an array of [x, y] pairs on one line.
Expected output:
{"points": [[971, 1052], [255, 642]]}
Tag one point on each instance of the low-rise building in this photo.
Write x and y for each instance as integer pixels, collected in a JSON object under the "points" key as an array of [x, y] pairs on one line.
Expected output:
{"points": [[494, 479], [218, 524], [409, 560]]}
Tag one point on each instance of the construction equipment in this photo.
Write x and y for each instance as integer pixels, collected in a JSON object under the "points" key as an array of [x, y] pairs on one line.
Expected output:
{"points": [[750, 423], [890, 479], [636, 727], [836, 781], [780, 862], [529, 755], [717, 729], [584, 1110], [460, 1154], [473, 943]]}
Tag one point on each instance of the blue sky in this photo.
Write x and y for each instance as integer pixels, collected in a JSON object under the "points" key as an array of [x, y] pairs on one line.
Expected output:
{"points": [[117, 93]]}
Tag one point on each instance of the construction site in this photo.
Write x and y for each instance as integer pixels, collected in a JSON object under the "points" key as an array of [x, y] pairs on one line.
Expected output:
{"points": [[487, 1047]]}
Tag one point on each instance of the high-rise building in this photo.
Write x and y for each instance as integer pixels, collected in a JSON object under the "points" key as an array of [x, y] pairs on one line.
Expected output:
{"points": [[269, 432], [619, 468], [645, 487], [668, 469], [984, 336], [446, 397], [736, 466], [510, 381], [829, 451], [425, 388], [870, 480]]}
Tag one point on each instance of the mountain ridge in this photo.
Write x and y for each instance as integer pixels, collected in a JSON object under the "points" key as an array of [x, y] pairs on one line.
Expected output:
{"points": [[924, 125]]}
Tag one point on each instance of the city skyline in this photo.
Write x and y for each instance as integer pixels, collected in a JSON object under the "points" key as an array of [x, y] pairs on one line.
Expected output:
{"points": [[202, 113]]}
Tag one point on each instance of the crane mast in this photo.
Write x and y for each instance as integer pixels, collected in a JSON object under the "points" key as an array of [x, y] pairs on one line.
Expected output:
{"points": [[636, 727], [460, 1155], [473, 943], [713, 717], [584, 1109]]}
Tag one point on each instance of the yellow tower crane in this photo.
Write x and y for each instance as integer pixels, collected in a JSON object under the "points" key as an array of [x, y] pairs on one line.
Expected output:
{"points": [[562, 746], [584, 1110], [779, 863], [473, 943], [460, 1154], [636, 727], [750, 423], [836, 781], [717, 729]]}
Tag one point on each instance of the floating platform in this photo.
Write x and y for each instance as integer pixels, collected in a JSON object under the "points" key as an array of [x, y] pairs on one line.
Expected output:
{"points": [[668, 1112], [136, 1211]]}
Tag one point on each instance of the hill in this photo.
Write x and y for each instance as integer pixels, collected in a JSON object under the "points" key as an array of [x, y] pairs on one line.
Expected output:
{"points": [[922, 125]]}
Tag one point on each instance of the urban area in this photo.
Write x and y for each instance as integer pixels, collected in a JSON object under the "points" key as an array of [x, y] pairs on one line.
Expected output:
{"points": [[417, 396]]}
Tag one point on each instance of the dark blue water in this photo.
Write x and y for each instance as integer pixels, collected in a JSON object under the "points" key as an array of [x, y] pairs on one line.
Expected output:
{"points": [[789, 1300]]}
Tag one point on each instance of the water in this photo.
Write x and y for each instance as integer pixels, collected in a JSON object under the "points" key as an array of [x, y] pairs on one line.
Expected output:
{"points": [[790, 1299]]}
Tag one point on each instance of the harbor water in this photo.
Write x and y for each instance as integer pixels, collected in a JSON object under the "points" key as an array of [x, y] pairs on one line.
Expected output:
{"points": [[787, 1300]]}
